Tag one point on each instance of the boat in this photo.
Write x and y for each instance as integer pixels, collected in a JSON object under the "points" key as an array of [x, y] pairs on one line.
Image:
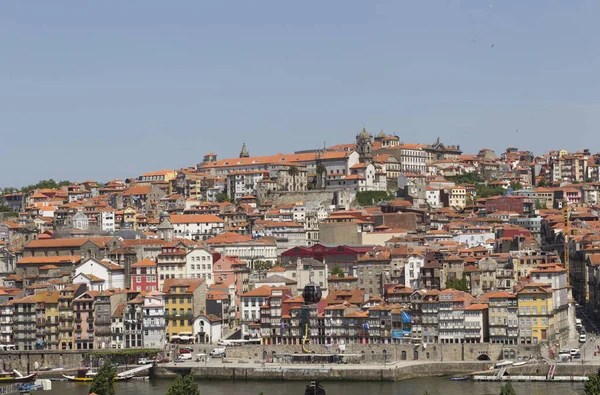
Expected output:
{"points": [[520, 363], [16, 377], [83, 375], [460, 378], [314, 388]]}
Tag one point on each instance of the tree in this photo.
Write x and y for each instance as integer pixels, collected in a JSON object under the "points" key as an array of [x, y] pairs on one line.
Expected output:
{"points": [[469, 200], [543, 183], [516, 186], [368, 198], [104, 381], [261, 266], [459, 284], [184, 385], [507, 389], [592, 386], [540, 204], [222, 197], [337, 271], [293, 172]]}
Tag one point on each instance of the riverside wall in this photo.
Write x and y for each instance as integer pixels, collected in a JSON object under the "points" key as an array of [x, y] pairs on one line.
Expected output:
{"points": [[318, 372], [22, 360], [380, 353]]}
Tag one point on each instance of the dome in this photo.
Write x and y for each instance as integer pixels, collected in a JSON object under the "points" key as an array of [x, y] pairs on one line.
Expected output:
{"points": [[164, 214], [364, 135], [381, 135]]}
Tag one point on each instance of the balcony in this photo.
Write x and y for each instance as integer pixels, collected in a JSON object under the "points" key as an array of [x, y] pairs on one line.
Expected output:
{"points": [[103, 331], [90, 319], [102, 320], [78, 320], [177, 316], [41, 322], [66, 319]]}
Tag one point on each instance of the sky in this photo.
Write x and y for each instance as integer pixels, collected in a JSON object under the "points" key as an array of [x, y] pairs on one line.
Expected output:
{"points": [[106, 89]]}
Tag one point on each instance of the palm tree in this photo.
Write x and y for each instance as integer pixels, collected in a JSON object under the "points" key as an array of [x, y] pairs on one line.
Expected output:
{"points": [[320, 170], [293, 172]]}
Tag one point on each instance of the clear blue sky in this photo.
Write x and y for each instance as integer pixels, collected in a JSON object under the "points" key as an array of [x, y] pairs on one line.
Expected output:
{"points": [[104, 89]]}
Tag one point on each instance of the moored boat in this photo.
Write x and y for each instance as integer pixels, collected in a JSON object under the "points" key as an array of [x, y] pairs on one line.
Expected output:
{"points": [[460, 378], [16, 377], [83, 375], [314, 388]]}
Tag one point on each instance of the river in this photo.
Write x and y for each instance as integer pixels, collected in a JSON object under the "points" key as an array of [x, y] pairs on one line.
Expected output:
{"points": [[434, 385]]}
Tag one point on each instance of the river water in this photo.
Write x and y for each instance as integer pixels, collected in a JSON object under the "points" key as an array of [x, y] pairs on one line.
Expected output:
{"points": [[434, 385]]}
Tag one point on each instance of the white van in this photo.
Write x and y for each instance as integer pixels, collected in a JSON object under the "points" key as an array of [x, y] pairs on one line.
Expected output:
{"points": [[185, 357], [582, 338], [578, 323], [218, 352]]}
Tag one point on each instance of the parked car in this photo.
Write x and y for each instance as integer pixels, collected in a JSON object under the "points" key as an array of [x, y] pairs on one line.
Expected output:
{"points": [[185, 351], [142, 361], [574, 351], [582, 338], [577, 356], [164, 360]]}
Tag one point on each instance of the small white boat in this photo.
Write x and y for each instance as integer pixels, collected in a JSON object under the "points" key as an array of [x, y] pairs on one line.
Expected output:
{"points": [[503, 363], [519, 363]]}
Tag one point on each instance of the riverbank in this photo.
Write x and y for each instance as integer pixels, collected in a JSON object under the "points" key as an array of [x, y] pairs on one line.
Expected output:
{"points": [[357, 372]]}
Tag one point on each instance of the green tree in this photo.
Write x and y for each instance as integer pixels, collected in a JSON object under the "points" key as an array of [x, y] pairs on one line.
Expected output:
{"points": [[459, 284], [467, 178], [543, 183], [184, 385], [368, 198], [540, 204], [104, 381], [337, 271], [293, 172], [507, 389], [4, 209], [222, 197], [516, 186], [261, 266], [592, 386], [469, 200]]}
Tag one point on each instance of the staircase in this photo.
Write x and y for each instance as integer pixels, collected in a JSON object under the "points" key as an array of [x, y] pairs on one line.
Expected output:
{"points": [[501, 372]]}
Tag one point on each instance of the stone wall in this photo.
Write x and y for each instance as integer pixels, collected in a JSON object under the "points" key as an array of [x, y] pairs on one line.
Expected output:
{"points": [[380, 353], [324, 197], [345, 373], [21, 360]]}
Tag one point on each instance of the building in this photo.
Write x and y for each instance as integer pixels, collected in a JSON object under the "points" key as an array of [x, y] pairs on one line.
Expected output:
{"points": [[305, 271], [503, 318], [83, 317], [153, 316], [133, 323], [208, 329], [184, 298], [197, 227], [112, 274], [105, 303], [250, 308], [144, 276], [535, 314]]}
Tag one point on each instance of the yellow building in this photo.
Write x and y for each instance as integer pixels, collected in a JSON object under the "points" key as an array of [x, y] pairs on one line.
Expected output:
{"points": [[48, 319], [130, 217], [65, 315], [536, 312], [185, 299]]}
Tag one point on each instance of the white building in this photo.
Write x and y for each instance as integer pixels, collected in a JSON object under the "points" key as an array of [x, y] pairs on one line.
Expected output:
{"points": [[412, 270], [476, 323], [117, 327], [474, 239], [432, 196], [307, 270], [107, 220], [197, 227], [177, 261], [413, 159], [243, 183], [245, 248], [112, 274], [153, 316], [250, 307], [207, 329]]}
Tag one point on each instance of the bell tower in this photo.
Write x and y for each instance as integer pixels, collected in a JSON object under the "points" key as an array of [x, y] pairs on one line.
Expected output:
{"points": [[363, 146]]}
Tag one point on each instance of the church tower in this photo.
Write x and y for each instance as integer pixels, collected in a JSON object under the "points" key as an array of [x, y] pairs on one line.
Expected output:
{"points": [[244, 153], [164, 228], [363, 146]]}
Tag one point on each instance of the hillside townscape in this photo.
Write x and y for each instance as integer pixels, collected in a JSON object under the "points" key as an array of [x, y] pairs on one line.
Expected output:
{"points": [[410, 243]]}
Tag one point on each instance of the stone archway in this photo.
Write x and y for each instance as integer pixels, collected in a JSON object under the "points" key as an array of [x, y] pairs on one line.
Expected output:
{"points": [[403, 355], [483, 357]]}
